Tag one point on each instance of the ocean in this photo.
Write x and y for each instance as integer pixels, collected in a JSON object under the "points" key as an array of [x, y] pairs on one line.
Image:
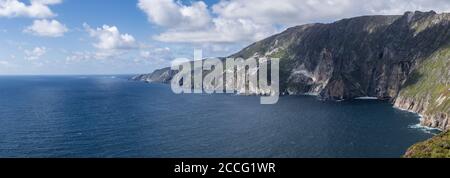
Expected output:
{"points": [[113, 117]]}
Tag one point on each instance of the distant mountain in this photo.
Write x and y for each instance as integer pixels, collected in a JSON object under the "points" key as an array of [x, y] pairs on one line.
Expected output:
{"points": [[404, 59]]}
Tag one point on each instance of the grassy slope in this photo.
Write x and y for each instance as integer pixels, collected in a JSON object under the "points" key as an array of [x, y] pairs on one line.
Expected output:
{"points": [[432, 79], [437, 147]]}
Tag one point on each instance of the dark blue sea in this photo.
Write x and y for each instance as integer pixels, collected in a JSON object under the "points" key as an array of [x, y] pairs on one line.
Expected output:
{"points": [[112, 117]]}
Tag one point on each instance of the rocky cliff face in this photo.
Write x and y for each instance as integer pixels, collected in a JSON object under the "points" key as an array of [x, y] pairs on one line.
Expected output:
{"points": [[158, 76], [387, 57], [428, 90]]}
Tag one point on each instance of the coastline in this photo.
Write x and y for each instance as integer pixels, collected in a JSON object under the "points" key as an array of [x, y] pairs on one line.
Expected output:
{"points": [[420, 126]]}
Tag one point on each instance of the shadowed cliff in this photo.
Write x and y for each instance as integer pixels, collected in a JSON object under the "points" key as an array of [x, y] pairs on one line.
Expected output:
{"points": [[398, 58]]}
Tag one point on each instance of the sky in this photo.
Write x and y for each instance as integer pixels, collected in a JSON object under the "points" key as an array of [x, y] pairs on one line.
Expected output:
{"points": [[53, 37]]}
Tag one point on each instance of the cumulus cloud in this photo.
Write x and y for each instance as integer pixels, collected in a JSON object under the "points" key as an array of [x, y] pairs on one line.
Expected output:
{"points": [[194, 23], [110, 38], [294, 12], [47, 28], [251, 20], [168, 13], [109, 41], [35, 9], [35, 53], [223, 31]]}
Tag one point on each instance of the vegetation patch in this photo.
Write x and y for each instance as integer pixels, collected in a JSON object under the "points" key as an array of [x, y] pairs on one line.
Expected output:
{"points": [[437, 147], [432, 81]]}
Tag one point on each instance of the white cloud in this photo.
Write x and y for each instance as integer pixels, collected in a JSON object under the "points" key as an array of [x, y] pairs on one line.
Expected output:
{"points": [[156, 52], [4, 63], [251, 20], [223, 31], [79, 56], [35, 54], [162, 50], [36, 8], [7, 66], [145, 54], [193, 23], [294, 12], [167, 13], [47, 28], [109, 41], [110, 38], [154, 56]]}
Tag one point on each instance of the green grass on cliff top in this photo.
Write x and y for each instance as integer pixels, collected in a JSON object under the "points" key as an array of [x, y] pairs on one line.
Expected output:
{"points": [[437, 147], [431, 81]]}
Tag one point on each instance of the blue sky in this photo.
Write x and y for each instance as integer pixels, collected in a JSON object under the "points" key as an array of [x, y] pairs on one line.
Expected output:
{"points": [[125, 15], [138, 36]]}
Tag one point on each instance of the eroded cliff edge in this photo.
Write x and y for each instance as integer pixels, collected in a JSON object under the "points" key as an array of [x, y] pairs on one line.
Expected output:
{"points": [[403, 59], [427, 91]]}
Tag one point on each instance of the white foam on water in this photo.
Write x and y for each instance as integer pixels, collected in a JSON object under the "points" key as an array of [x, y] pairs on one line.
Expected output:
{"points": [[366, 98], [408, 111], [310, 94], [426, 129], [429, 130]]}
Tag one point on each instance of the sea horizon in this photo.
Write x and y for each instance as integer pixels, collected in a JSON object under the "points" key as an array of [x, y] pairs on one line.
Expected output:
{"points": [[224, 87]]}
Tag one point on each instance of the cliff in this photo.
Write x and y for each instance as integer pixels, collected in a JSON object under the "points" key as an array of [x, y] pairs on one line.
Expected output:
{"points": [[427, 91], [158, 76], [364, 56], [403, 59]]}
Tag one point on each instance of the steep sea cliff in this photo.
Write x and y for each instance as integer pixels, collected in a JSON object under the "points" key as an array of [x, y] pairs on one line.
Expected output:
{"points": [[404, 59]]}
